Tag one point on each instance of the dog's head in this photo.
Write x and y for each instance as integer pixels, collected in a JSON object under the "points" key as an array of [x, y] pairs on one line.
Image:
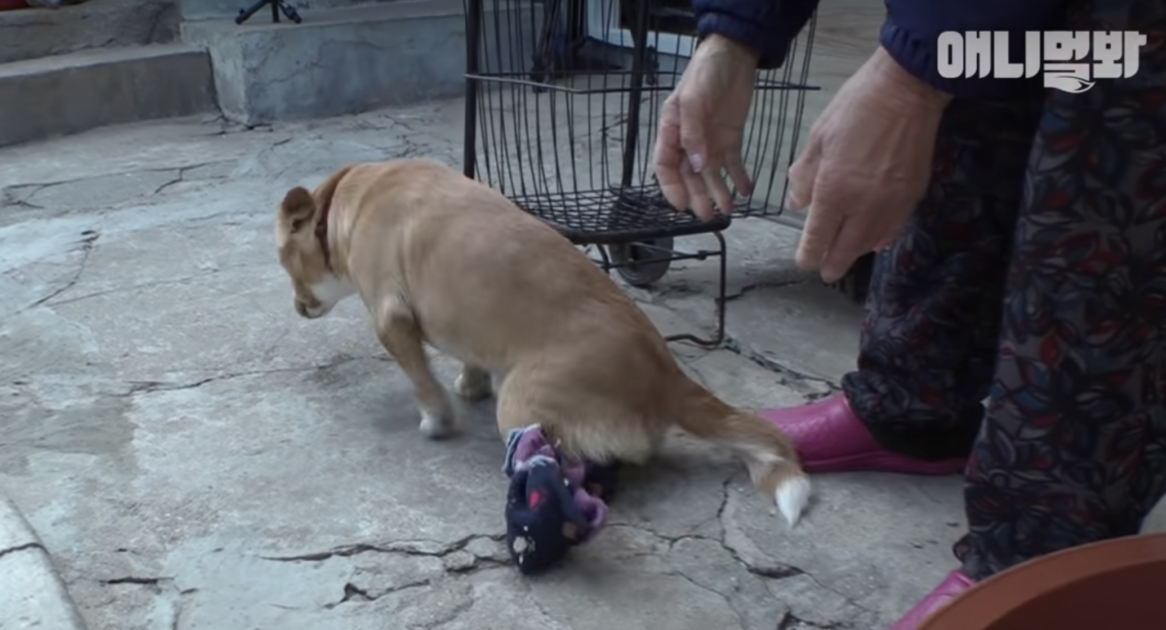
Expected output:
{"points": [[301, 240]]}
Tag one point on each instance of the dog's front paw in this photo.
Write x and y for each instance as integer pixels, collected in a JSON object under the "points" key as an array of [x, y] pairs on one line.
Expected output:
{"points": [[436, 426], [473, 384]]}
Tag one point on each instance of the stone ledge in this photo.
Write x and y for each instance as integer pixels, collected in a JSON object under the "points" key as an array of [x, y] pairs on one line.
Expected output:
{"points": [[342, 60], [106, 24], [219, 9], [71, 93], [31, 593]]}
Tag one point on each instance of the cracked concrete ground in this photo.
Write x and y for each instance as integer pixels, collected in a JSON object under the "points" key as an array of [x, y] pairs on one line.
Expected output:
{"points": [[196, 456]]}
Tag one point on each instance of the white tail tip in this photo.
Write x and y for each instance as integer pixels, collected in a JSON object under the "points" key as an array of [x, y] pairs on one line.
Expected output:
{"points": [[791, 498]]}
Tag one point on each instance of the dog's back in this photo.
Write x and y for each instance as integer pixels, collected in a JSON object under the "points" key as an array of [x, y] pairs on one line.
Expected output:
{"points": [[498, 283]]}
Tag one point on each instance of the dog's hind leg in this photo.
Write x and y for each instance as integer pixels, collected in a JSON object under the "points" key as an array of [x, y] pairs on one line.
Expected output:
{"points": [[595, 431], [515, 408], [767, 452], [401, 336], [474, 383]]}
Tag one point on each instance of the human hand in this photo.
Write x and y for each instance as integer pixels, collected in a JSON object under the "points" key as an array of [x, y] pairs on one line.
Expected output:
{"points": [[866, 164], [701, 126]]}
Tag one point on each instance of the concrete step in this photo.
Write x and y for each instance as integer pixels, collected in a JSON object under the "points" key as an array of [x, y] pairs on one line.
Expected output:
{"points": [[347, 60], [228, 9], [33, 33], [70, 93]]}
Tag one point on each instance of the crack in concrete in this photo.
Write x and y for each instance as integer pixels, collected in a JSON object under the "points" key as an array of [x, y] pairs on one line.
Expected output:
{"points": [[38, 187], [724, 500], [355, 594], [741, 623], [776, 571], [538, 604], [21, 203], [787, 374], [133, 287], [133, 579], [426, 548], [790, 621], [182, 170], [146, 285], [88, 238], [764, 284], [21, 193], [24, 547], [149, 387], [161, 586]]}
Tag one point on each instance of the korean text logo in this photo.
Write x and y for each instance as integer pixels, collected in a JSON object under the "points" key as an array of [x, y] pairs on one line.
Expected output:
{"points": [[1070, 61]]}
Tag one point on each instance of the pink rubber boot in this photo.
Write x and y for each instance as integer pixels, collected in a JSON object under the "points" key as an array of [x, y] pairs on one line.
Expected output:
{"points": [[952, 586], [830, 438]]}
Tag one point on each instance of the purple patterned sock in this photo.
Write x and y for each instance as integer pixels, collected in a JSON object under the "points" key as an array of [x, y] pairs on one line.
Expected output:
{"points": [[527, 446]]}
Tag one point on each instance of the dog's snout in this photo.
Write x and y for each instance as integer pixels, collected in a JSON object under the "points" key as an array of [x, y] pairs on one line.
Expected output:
{"points": [[301, 308]]}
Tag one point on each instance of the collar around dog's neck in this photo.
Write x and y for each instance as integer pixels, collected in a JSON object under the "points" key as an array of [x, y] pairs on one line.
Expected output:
{"points": [[322, 233]]}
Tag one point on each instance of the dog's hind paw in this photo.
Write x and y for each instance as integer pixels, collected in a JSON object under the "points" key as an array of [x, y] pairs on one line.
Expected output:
{"points": [[436, 426], [473, 384]]}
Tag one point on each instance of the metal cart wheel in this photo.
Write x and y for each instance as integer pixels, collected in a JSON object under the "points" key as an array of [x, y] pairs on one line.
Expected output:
{"points": [[641, 264]]}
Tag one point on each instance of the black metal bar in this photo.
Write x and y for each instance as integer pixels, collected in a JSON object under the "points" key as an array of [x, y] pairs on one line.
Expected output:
{"points": [[245, 14], [722, 298], [514, 79], [639, 58], [473, 48], [721, 252], [606, 264], [277, 6], [700, 255], [719, 336]]}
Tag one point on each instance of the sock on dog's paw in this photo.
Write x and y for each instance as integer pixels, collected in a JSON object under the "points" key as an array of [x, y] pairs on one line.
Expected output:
{"points": [[473, 385], [542, 520], [436, 426], [550, 507]]}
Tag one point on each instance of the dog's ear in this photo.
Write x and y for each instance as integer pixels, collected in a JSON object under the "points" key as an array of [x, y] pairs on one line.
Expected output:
{"points": [[297, 208]]}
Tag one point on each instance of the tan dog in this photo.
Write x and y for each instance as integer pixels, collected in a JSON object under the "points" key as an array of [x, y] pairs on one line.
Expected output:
{"points": [[442, 259]]}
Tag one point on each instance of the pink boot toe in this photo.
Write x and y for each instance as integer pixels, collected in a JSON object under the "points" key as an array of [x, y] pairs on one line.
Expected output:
{"points": [[830, 438], [951, 587]]}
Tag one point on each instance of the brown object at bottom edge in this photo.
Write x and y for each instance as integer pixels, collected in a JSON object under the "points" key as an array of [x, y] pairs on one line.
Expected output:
{"points": [[1116, 584]]}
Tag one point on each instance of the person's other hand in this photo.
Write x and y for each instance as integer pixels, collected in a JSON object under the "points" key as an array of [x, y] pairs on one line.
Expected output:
{"points": [[701, 125], [865, 166]]}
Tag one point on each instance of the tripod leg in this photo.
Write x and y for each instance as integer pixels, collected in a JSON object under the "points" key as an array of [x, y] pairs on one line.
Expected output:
{"points": [[290, 12], [245, 14]]}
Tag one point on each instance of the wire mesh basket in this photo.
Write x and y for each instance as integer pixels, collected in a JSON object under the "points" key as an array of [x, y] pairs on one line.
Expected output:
{"points": [[562, 102]]}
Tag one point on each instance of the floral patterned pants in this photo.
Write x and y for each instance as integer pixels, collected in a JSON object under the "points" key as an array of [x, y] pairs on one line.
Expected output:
{"points": [[1033, 275]]}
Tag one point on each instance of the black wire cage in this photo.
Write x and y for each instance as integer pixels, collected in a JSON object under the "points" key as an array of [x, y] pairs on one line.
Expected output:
{"points": [[562, 102]]}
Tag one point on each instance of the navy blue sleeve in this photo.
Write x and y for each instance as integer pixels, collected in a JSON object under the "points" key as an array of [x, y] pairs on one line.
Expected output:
{"points": [[766, 26], [911, 32]]}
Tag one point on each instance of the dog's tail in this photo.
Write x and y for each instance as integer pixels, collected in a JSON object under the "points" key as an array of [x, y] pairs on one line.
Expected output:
{"points": [[767, 452]]}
